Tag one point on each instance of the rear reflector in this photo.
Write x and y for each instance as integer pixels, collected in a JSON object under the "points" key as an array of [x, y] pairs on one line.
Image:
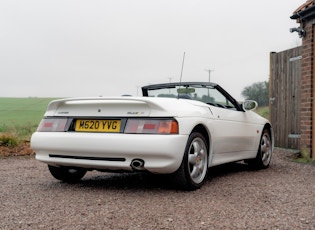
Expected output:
{"points": [[152, 126]]}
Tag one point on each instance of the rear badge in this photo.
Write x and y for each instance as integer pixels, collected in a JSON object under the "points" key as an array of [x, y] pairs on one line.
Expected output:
{"points": [[135, 113]]}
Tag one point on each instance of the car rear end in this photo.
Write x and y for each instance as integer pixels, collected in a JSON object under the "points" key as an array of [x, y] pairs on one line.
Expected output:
{"points": [[124, 133]]}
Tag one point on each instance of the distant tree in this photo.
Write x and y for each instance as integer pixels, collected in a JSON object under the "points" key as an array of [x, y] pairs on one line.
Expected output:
{"points": [[259, 92]]}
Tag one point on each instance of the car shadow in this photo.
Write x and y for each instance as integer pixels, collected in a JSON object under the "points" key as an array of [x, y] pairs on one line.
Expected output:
{"points": [[227, 169], [145, 180], [132, 180]]}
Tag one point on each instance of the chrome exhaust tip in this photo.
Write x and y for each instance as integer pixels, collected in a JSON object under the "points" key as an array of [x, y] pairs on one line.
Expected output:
{"points": [[137, 164]]}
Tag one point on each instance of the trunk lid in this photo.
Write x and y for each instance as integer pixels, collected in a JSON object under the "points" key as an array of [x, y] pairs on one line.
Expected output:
{"points": [[126, 107]]}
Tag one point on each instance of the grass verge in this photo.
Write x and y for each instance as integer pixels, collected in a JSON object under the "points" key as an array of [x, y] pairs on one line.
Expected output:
{"points": [[298, 157]]}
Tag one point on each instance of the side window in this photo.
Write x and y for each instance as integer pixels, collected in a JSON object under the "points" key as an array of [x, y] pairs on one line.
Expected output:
{"points": [[218, 99]]}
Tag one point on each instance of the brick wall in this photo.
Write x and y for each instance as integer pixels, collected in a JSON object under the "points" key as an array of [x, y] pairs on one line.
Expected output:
{"points": [[307, 88]]}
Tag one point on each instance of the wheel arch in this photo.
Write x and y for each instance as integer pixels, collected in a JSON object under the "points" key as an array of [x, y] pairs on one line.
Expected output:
{"points": [[202, 129], [207, 135], [268, 126]]}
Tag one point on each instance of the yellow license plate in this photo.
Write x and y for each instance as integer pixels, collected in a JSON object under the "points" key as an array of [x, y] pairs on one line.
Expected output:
{"points": [[110, 126]]}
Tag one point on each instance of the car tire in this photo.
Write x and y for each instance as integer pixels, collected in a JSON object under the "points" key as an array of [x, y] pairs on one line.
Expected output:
{"points": [[67, 174], [264, 153], [193, 170]]}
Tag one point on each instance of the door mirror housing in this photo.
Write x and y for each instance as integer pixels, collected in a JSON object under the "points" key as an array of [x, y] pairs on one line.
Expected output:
{"points": [[249, 105]]}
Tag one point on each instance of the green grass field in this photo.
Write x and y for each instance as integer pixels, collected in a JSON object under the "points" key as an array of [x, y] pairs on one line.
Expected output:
{"points": [[263, 111], [20, 116]]}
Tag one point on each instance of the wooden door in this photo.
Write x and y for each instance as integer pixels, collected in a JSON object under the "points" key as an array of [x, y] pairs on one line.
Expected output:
{"points": [[285, 91]]}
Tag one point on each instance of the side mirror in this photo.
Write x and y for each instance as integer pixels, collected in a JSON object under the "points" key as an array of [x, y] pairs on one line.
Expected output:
{"points": [[249, 105]]}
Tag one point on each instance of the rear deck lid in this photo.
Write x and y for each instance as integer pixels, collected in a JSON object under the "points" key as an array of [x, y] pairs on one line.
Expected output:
{"points": [[99, 107]]}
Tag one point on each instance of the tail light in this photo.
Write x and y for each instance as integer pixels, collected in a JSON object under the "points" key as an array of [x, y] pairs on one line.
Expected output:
{"points": [[52, 125], [152, 126]]}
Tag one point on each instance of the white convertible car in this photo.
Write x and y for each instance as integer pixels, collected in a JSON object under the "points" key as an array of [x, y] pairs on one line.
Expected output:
{"points": [[180, 129]]}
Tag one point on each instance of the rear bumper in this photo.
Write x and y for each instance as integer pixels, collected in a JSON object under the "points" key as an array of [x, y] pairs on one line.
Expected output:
{"points": [[105, 151]]}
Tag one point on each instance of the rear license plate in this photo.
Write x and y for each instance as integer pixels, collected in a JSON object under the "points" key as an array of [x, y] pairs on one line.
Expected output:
{"points": [[110, 126]]}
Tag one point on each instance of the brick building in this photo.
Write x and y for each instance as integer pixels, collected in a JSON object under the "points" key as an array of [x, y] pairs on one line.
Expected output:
{"points": [[305, 16]]}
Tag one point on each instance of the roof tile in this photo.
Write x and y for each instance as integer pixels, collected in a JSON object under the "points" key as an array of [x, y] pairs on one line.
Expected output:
{"points": [[306, 5]]}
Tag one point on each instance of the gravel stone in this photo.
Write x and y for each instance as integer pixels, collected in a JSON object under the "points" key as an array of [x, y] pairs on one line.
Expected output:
{"points": [[233, 197]]}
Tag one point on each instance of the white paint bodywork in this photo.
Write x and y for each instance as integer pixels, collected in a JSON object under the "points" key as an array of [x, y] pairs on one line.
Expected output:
{"points": [[233, 135]]}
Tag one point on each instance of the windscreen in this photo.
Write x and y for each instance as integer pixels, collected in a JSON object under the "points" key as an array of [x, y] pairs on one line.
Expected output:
{"points": [[207, 94]]}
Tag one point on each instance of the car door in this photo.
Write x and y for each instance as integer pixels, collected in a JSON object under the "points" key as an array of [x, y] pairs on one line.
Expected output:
{"points": [[234, 132]]}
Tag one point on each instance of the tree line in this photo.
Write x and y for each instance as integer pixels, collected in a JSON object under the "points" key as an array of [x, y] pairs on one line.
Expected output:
{"points": [[258, 91]]}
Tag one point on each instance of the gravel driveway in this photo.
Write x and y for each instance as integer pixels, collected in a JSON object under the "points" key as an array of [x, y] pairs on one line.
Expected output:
{"points": [[281, 197]]}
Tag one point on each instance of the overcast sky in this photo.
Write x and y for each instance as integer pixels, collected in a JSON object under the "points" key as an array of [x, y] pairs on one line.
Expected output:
{"points": [[66, 48]]}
